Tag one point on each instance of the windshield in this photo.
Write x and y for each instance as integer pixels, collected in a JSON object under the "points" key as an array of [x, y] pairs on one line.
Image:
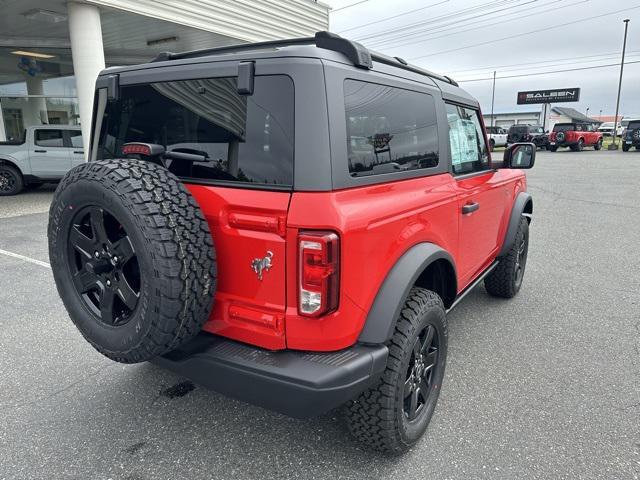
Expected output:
{"points": [[243, 138], [536, 130], [634, 125]]}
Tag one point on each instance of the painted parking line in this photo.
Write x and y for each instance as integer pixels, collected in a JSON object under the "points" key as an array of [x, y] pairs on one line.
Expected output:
{"points": [[26, 259]]}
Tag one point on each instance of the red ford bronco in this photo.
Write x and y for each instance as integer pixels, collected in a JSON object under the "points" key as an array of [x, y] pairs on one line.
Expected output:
{"points": [[576, 136], [288, 223]]}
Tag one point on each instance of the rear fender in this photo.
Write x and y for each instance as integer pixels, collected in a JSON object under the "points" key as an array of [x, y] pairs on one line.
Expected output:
{"points": [[395, 290]]}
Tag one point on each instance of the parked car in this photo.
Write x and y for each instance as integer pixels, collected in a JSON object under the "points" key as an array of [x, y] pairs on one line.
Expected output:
{"points": [[497, 137], [240, 247], [528, 133], [631, 136], [606, 129], [576, 136], [43, 154]]}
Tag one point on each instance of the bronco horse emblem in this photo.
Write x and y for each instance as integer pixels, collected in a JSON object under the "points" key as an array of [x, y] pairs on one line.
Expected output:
{"points": [[260, 265]]}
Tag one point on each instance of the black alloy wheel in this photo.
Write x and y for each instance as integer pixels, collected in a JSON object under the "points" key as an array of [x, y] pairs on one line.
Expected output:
{"points": [[10, 181], [420, 373], [521, 260], [104, 266]]}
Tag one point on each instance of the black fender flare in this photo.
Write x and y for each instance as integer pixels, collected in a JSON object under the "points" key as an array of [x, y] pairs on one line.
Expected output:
{"points": [[522, 206], [394, 291]]}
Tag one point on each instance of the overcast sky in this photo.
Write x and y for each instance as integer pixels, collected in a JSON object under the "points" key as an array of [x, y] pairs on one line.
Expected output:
{"points": [[469, 39]]}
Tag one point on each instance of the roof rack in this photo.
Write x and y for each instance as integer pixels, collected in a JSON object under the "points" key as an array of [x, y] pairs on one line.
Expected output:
{"points": [[354, 51]]}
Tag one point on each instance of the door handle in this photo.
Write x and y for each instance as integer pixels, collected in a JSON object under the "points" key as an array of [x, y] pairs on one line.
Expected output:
{"points": [[40, 151], [78, 151], [470, 208]]}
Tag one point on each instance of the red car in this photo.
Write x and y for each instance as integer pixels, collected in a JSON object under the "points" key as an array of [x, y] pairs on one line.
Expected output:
{"points": [[289, 223], [576, 136]]}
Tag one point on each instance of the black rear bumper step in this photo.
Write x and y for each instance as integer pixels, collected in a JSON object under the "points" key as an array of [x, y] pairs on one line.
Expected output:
{"points": [[298, 384]]}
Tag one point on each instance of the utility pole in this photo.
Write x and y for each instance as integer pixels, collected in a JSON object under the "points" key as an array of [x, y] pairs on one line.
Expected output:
{"points": [[614, 144], [493, 97]]}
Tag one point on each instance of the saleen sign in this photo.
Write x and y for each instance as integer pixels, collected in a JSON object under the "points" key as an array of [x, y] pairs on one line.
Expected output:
{"points": [[549, 96]]}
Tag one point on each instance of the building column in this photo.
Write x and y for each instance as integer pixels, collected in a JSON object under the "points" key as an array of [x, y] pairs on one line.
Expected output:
{"points": [[85, 32], [36, 106], [3, 132]]}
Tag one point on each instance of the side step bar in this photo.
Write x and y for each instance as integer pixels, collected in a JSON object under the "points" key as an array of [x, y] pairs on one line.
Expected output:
{"points": [[473, 285]]}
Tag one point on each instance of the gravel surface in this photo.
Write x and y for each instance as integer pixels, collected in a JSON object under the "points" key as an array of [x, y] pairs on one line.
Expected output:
{"points": [[546, 385]]}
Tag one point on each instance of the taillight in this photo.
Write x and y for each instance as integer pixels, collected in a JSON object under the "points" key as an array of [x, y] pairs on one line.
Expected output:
{"points": [[318, 273]]}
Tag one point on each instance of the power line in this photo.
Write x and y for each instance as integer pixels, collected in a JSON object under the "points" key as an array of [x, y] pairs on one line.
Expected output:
{"points": [[454, 29], [492, 67], [524, 33], [566, 64], [394, 16], [452, 25], [348, 6], [445, 17], [547, 73]]}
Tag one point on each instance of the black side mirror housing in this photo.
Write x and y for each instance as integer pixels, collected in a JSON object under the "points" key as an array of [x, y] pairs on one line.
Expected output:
{"points": [[520, 155]]}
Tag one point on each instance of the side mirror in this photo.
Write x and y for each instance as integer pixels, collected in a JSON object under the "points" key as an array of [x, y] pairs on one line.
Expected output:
{"points": [[520, 155]]}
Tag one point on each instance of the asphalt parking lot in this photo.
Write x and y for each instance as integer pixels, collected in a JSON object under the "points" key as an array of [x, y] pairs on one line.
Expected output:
{"points": [[544, 386]]}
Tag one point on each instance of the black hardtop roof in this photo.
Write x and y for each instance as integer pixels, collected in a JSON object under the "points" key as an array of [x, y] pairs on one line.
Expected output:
{"points": [[324, 45]]}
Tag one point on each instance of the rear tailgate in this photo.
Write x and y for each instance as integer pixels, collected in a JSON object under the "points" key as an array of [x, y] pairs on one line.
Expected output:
{"points": [[248, 227]]}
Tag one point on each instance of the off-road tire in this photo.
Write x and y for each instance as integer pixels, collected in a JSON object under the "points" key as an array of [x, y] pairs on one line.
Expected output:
{"points": [[504, 280], [625, 148], [492, 145], [578, 147], [13, 175], [377, 417], [553, 149], [173, 247], [598, 145]]}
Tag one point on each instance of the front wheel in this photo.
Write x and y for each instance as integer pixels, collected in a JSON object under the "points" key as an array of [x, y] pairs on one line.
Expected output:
{"points": [[625, 147], [10, 180], [393, 415], [506, 279], [492, 144], [553, 148]]}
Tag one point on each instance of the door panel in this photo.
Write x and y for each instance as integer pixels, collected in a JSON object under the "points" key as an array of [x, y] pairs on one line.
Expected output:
{"points": [[48, 155], [479, 229], [246, 225], [76, 148]]}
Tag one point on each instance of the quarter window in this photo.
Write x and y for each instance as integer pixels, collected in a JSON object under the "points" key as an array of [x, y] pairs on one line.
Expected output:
{"points": [[469, 152], [389, 129], [49, 138]]}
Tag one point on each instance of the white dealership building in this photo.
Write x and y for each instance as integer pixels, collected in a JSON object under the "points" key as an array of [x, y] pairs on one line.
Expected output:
{"points": [[52, 50]]}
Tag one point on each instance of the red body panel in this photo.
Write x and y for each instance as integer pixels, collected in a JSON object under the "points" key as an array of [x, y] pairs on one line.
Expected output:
{"points": [[376, 224], [246, 224], [573, 137]]}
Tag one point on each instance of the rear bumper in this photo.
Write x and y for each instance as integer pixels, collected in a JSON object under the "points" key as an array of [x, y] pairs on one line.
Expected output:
{"points": [[298, 384]]}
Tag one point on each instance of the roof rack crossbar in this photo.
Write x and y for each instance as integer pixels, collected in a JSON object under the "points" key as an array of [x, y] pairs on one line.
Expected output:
{"points": [[357, 53]]}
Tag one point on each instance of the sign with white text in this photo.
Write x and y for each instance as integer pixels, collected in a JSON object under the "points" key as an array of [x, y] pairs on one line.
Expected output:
{"points": [[559, 95]]}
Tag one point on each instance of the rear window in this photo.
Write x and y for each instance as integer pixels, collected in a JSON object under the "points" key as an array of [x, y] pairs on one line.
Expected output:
{"points": [[519, 128], [389, 129], [634, 125], [245, 139], [563, 127]]}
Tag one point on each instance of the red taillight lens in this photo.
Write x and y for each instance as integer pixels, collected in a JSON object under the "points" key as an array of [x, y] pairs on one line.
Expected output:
{"points": [[318, 273], [136, 149]]}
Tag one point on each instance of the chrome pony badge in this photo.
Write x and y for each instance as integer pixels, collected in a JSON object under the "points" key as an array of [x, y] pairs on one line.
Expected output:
{"points": [[260, 265]]}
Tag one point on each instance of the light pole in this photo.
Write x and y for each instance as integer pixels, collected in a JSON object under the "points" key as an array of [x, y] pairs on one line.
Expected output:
{"points": [[614, 144], [493, 97], [587, 114]]}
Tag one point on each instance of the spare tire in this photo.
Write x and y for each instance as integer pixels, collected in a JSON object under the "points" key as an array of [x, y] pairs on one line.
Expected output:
{"points": [[132, 258]]}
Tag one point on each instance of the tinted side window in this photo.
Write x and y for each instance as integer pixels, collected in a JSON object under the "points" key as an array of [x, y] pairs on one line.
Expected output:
{"points": [[243, 138], [389, 129], [76, 138], [469, 151], [49, 138]]}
